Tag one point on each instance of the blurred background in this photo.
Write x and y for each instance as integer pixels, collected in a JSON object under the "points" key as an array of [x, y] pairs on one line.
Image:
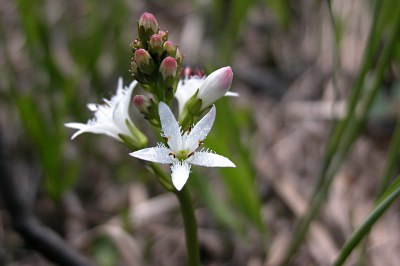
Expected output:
{"points": [[296, 64]]}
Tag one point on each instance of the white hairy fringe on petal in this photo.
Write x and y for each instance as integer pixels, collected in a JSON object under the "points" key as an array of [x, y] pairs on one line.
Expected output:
{"points": [[209, 159], [157, 154], [180, 174], [200, 130], [110, 118], [170, 127]]}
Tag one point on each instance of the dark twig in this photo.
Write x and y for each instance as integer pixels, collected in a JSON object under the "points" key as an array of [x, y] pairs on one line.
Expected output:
{"points": [[39, 237]]}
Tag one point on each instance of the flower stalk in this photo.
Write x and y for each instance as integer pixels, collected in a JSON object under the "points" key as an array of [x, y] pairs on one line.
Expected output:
{"points": [[190, 225]]}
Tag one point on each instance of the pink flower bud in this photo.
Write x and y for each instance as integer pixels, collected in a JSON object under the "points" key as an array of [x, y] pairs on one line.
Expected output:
{"points": [[141, 102], [136, 44], [144, 61], [169, 48], [134, 68], [168, 67], [149, 23], [179, 56], [156, 44], [215, 86], [164, 35]]}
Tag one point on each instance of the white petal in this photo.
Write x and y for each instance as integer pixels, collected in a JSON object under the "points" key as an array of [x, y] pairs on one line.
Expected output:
{"points": [[209, 159], [215, 86], [232, 94], [185, 90], [75, 125], [92, 107], [109, 117], [180, 174], [121, 111], [158, 154], [93, 128], [170, 127], [200, 130], [84, 128]]}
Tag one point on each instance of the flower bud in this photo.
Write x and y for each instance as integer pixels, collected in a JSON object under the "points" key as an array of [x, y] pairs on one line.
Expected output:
{"points": [[179, 56], [136, 44], [168, 68], [169, 48], [155, 44], [215, 86], [144, 61], [134, 68], [148, 25], [141, 102], [164, 35], [148, 108]]}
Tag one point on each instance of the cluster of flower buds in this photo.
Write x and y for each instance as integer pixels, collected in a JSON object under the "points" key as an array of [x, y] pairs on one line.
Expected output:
{"points": [[156, 61]]}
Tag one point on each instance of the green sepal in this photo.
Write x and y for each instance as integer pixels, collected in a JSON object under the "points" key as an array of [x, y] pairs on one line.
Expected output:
{"points": [[138, 139]]}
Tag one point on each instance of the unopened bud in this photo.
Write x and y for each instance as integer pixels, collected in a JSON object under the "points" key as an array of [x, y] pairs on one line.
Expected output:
{"points": [[136, 44], [148, 108], [156, 44], [169, 48], [179, 56], [168, 68], [215, 86], [134, 68], [141, 102], [148, 24], [144, 61], [164, 35]]}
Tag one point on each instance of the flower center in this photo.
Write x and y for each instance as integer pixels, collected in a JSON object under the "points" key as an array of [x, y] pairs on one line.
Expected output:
{"points": [[182, 155]]}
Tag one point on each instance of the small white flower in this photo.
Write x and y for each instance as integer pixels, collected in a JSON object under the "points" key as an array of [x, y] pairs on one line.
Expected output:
{"points": [[181, 151], [110, 118], [211, 88]]}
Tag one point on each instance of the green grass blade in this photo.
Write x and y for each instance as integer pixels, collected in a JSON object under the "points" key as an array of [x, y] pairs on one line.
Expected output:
{"points": [[366, 226], [345, 134]]}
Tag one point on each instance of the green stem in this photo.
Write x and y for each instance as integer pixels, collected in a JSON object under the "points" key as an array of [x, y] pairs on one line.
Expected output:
{"points": [[189, 221], [162, 177]]}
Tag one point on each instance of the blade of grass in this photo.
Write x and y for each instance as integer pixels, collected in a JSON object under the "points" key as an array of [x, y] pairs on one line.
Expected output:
{"points": [[354, 96], [366, 226], [343, 146]]}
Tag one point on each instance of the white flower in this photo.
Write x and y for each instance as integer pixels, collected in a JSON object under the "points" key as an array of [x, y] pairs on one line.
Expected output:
{"points": [[216, 85], [110, 118], [181, 151]]}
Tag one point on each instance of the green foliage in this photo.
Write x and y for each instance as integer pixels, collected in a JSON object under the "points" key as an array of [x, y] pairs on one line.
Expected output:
{"points": [[104, 251], [384, 203], [53, 89], [346, 131], [227, 139]]}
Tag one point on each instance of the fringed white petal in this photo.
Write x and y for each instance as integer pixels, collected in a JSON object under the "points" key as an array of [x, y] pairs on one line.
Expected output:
{"points": [[180, 174], [170, 127], [158, 154], [232, 94], [92, 128], [111, 116], [200, 130], [92, 107], [121, 108], [209, 159], [76, 125]]}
